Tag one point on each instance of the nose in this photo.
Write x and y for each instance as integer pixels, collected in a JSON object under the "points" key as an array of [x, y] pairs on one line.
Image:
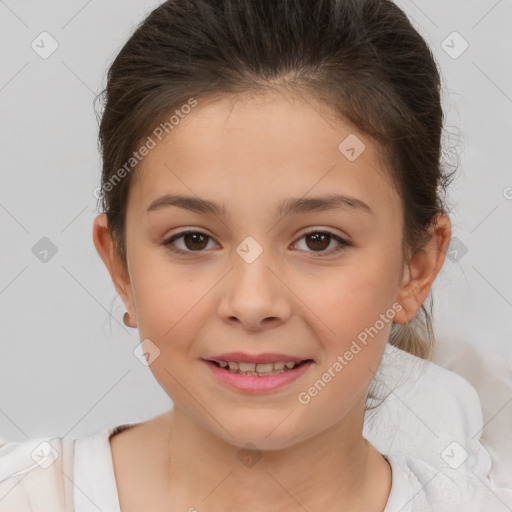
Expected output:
{"points": [[255, 295]]}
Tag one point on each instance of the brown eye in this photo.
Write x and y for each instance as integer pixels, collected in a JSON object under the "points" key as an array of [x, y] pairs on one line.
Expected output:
{"points": [[195, 241], [192, 241], [318, 241]]}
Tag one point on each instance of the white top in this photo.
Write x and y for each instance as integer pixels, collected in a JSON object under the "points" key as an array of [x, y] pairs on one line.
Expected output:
{"points": [[427, 428]]}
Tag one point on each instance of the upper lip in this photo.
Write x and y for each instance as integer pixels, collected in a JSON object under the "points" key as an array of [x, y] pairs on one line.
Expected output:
{"points": [[267, 357]]}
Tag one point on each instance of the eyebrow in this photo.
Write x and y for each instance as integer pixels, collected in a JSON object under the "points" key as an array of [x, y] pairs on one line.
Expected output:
{"points": [[289, 206]]}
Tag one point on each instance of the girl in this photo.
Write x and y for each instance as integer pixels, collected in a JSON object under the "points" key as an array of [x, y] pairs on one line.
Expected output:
{"points": [[273, 222]]}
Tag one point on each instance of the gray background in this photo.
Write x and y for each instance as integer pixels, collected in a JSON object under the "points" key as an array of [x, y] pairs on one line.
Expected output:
{"points": [[66, 365]]}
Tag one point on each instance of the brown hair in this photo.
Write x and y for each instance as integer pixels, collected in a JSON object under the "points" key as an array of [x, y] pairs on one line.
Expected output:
{"points": [[361, 58]]}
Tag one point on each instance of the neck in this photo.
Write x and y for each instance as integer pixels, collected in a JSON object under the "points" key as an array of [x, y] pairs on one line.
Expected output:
{"points": [[337, 470]]}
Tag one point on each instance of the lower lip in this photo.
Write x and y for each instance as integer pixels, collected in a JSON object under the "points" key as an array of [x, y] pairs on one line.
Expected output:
{"points": [[255, 384]]}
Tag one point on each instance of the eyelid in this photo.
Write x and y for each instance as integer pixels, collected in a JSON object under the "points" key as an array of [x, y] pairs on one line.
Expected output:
{"points": [[191, 229], [321, 229]]}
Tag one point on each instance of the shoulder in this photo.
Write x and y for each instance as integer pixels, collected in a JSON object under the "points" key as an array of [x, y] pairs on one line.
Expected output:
{"points": [[40, 474], [33, 475], [430, 419], [420, 407], [400, 368], [420, 487]]}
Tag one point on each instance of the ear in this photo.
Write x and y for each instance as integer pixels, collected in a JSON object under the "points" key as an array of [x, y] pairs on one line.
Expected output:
{"points": [[422, 270], [105, 247]]}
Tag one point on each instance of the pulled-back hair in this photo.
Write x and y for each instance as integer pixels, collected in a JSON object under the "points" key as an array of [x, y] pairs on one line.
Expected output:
{"points": [[363, 59]]}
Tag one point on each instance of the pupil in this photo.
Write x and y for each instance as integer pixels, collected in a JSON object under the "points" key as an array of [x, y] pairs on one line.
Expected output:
{"points": [[194, 237], [322, 237]]}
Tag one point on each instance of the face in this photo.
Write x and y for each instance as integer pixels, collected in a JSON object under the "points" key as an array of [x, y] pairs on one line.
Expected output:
{"points": [[309, 283]]}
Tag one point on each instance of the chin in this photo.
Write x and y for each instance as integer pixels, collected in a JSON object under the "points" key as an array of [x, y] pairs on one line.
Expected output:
{"points": [[263, 431]]}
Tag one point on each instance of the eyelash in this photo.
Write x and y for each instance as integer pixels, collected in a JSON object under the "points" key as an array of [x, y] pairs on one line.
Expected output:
{"points": [[343, 242]]}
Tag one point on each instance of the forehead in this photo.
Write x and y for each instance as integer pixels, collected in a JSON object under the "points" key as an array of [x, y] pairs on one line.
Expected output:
{"points": [[259, 150]]}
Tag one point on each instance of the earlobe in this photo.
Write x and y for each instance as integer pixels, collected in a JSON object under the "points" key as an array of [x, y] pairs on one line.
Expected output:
{"points": [[422, 270]]}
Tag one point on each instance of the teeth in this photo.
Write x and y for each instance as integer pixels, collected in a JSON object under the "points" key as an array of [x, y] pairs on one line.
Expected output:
{"points": [[259, 368], [264, 367], [246, 367]]}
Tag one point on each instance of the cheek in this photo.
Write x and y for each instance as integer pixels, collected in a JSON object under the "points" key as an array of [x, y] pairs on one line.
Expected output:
{"points": [[171, 308], [352, 299], [168, 300], [353, 316]]}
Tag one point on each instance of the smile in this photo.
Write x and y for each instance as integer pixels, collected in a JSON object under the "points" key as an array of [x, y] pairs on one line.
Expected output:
{"points": [[257, 378]]}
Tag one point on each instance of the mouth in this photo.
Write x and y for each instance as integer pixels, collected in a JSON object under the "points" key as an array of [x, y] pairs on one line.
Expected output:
{"points": [[259, 369]]}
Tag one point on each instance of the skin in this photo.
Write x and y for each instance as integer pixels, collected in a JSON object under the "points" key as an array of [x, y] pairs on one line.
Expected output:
{"points": [[250, 153]]}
